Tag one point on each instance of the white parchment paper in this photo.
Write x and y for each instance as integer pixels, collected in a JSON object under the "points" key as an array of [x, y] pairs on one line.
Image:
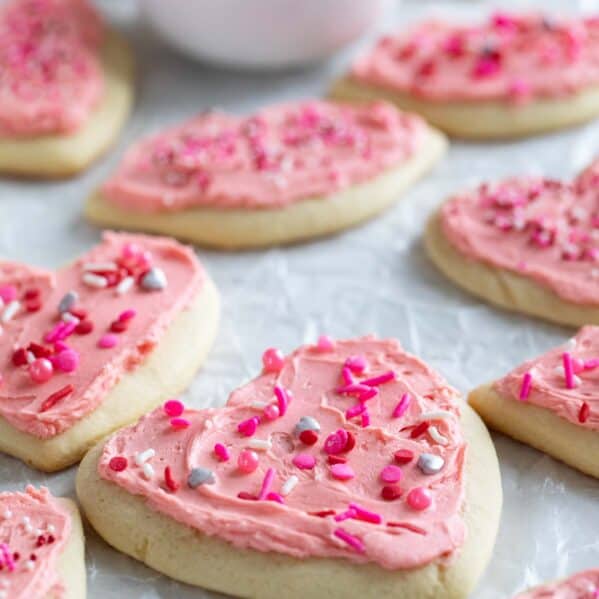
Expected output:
{"points": [[375, 278]]}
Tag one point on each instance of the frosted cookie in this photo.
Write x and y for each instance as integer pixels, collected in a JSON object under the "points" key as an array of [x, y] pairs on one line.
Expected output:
{"points": [[347, 469], [287, 173], [92, 347], [41, 547], [584, 585], [66, 87], [528, 245], [551, 402], [512, 75]]}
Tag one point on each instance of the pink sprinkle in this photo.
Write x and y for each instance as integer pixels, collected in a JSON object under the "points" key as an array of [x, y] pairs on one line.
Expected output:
{"points": [[282, 399], [248, 427], [271, 412], [173, 408], [419, 498], [275, 497], [67, 360], [355, 410], [342, 471], [8, 293], [372, 392], [346, 374], [347, 515], [273, 360], [180, 423], [590, 364], [266, 483], [52, 336], [130, 250], [355, 543], [357, 364], [526, 385], [325, 343], [221, 452], [304, 461], [568, 370], [365, 515], [577, 365], [486, 67], [335, 443], [391, 474], [247, 461], [353, 389], [380, 380], [107, 341], [365, 419], [7, 555], [403, 405], [127, 315]]}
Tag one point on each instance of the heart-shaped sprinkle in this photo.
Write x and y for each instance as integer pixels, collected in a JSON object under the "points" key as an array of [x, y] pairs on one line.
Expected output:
{"points": [[154, 280]]}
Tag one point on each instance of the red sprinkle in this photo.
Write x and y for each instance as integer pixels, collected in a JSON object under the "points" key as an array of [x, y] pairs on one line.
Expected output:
{"points": [[391, 492], [336, 459], [84, 327], [403, 456], [308, 437], [246, 495], [351, 442], [119, 326], [419, 430], [118, 463], [323, 513], [56, 397], [585, 411], [19, 358], [171, 483], [33, 305]]}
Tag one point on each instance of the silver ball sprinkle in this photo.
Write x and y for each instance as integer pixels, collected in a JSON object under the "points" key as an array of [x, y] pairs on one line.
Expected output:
{"points": [[430, 463], [306, 423], [154, 280], [200, 476], [68, 301]]}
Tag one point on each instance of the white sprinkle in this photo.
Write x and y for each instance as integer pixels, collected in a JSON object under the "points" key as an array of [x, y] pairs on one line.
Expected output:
{"points": [[435, 415], [436, 436], [38, 532], [260, 444], [571, 343], [125, 285], [576, 380], [26, 520], [148, 471], [289, 485], [143, 456], [30, 357], [100, 266], [29, 565], [11, 311], [7, 514], [258, 405], [51, 529], [68, 317], [96, 281], [208, 424], [28, 528]]}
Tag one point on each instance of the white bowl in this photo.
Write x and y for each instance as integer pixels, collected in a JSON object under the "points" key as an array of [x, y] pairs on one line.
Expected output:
{"points": [[260, 33]]}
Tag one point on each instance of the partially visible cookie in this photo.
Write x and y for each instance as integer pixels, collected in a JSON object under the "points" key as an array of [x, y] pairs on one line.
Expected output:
{"points": [[41, 547], [513, 75], [582, 585], [285, 174], [551, 402], [348, 468], [64, 101]]}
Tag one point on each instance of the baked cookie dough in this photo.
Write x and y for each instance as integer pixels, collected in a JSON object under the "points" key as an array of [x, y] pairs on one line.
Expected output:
{"points": [[348, 468], [288, 173], [513, 75], [95, 345], [527, 245], [41, 547], [551, 402], [63, 104]]}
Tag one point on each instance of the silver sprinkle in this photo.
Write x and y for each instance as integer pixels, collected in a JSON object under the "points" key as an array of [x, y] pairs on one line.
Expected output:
{"points": [[306, 423], [430, 463], [68, 301], [154, 280], [200, 476]]}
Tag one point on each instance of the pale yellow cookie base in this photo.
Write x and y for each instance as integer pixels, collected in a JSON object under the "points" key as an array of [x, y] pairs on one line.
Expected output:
{"points": [[56, 156], [166, 372], [572, 444], [71, 563], [482, 120], [239, 228], [502, 287], [129, 525]]}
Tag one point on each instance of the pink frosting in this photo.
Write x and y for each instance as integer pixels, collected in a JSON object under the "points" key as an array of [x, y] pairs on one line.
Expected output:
{"points": [[509, 57], [549, 385], [545, 230], [34, 529], [51, 77], [583, 585], [37, 330], [278, 156], [337, 506]]}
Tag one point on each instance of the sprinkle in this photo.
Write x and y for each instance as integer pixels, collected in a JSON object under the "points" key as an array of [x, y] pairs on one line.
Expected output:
{"points": [[258, 405], [355, 411], [271, 412], [248, 427], [143, 456], [67, 360], [289, 485], [68, 317], [568, 370], [125, 285], [355, 543], [408, 526], [584, 413], [221, 452], [526, 386], [275, 497], [247, 461], [325, 343], [379, 380], [96, 281], [53, 399], [346, 375], [118, 463], [180, 423], [419, 498], [335, 443], [107, 341], [304, 461], [402, 406], [127, 315], [154, 280], [260, 444], [347, 515], [436, 436], [356, 364], [436, 415], [148, 470], [430, 463], [365, 419], [170, 482], [365, 515], [366, 395], [336, 459], [10, 311], [391, 492], [8, 293], [308, 437], [591, 364], [391, 474], [8, 558], [354, 389], [282, 399], [173, 408], [419, 430], [266, 483], [200, 476], [306, 423], [342, 472], [273, 360], [84, 327], [68, 300]]}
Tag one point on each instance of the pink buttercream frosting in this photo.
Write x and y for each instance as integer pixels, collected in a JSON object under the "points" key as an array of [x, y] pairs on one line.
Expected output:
{"points": [[542, 229], [583, 585], [34, 530], [280, 155], [325, 479], [117, 302], [549, 384], [509, 57], [50, 74]]}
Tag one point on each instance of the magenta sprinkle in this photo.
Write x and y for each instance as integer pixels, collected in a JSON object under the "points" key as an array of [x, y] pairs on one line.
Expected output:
{"points": [[173, 408], [282, 399], [221, 452], [304, 461], [8, 559], [355, 543], [275, 497], [353, 389], [67, 360], [342, 472], [372, 392], [391, 474], [180, 423], [365, 515], [355, 411], [107, 341], [325, 343], [403, 405], [591, 364], [380, 380], [365, 419], [248, 427], [127, 315], [346, 375], [266, 483], [568, 370], [357, 364], [8, 293], [526, 386], [347, 515]]}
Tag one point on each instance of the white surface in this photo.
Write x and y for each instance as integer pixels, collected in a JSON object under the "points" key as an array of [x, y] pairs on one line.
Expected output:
{"points": [[375, 278]]}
